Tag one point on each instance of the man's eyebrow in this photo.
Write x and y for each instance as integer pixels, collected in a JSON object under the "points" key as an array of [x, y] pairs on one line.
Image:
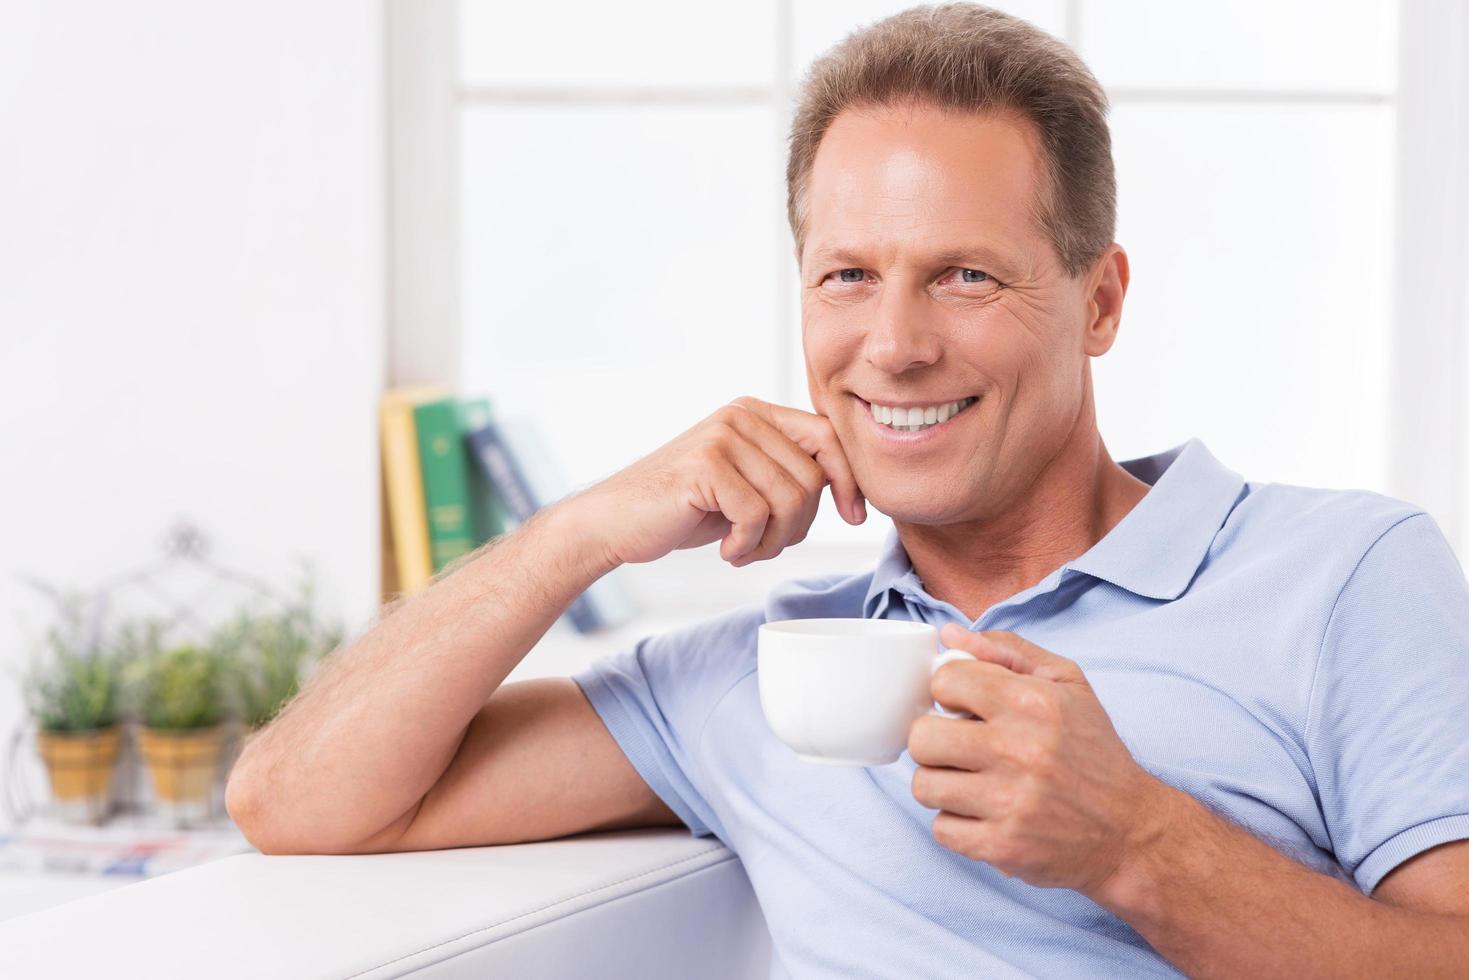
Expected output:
{"points": [[981, 253], [963, 253]]}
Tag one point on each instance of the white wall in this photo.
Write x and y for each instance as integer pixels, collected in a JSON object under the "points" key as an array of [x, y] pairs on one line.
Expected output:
{"points": [[191, 252]]}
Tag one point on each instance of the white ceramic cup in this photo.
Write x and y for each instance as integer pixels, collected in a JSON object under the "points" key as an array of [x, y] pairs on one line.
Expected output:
{"points": [[844, 692]]}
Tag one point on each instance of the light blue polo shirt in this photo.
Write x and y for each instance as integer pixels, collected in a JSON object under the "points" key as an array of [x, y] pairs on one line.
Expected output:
{"points": [[1297, 659]]}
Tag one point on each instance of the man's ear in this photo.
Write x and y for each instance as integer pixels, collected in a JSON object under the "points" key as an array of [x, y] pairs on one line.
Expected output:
{"points": [[1106, 287]]}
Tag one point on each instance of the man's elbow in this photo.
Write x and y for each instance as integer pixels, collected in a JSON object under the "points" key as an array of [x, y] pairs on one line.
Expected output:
{"points": [[277, 834], [243, 803]]}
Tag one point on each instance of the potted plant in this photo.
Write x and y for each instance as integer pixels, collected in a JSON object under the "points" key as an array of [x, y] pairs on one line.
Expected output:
{"points": [[180, 698], [73, 694], [268, 655]]}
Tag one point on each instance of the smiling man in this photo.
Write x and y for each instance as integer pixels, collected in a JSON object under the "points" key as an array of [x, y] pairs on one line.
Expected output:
{"points": [[1220, 725]]}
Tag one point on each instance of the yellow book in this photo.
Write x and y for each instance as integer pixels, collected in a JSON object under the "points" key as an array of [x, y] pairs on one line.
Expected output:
{"points": [[403, 481]]}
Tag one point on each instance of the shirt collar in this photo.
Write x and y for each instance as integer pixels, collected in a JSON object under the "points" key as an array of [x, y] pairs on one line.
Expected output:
{"points": [[1154, 551]]}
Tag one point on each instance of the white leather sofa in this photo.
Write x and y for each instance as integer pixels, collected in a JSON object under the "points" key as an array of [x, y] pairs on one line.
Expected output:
{"points": [[645, 904]]}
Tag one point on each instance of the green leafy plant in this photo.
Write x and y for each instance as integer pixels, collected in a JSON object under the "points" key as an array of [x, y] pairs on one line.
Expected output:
{"points": [[75, 683], [268, 656], [180, 687]]}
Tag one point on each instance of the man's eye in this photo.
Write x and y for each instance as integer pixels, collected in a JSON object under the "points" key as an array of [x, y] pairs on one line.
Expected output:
{"points": [[971, 277]]}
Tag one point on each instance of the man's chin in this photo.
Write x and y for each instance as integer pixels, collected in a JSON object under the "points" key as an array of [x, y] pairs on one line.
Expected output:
{"points": [[907, 508]]}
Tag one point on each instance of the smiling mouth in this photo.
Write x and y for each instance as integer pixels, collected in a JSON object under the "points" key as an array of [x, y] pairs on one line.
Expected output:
{"points": [[917, 419]]}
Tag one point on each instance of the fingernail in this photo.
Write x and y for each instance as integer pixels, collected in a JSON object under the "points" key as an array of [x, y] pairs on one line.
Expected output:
{"points": [[861, 511]]}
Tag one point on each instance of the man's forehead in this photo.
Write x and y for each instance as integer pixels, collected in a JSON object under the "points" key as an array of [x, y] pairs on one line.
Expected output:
{"points": [[904, 144], [995, 247], [944, 184]]}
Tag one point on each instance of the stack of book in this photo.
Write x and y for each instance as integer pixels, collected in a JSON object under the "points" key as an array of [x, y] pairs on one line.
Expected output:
{"points": [[455, 476]]}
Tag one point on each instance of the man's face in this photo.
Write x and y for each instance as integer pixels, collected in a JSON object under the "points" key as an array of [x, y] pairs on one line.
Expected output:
{"points": [[924, 280]]}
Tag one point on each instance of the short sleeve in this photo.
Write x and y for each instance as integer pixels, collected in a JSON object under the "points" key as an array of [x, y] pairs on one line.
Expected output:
{"points": [[656, 696], [1387, 728]]}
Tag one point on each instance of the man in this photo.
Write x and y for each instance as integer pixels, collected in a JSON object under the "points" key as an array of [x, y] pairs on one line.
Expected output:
{"points": [[1174, 667]]}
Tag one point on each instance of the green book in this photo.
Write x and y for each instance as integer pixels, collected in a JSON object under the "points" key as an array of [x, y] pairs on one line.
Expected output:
{"points": [[446, 491], [490, 519]]}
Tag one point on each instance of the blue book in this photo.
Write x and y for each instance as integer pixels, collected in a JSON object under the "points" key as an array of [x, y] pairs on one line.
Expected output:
{"points": [[511, 453], [490, 519]]}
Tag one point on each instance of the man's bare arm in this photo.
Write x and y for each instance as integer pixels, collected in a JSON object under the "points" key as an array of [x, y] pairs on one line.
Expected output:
{"points": [[404, 740], [351, 758], [1218, 902], [536, 764]]}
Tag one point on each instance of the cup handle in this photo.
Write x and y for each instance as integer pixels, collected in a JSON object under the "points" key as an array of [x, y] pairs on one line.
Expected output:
{"points": [[938, 661]]}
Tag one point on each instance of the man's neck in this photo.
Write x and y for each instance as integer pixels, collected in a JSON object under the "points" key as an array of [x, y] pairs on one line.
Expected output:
{"points": [[1075, 501]]}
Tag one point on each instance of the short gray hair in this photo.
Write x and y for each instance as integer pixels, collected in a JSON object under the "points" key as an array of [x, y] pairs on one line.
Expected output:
{"points": [[970, 57]]}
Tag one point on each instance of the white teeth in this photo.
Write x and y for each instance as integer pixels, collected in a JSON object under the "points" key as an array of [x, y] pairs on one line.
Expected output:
{"points": [[916, 419]]}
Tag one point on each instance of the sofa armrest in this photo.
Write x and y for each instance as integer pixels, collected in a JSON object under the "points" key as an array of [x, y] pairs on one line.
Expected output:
{"points": [[644, 903]]}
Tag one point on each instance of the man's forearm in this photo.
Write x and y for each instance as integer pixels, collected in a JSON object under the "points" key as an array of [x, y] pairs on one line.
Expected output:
{"points": [[1218, 902], [381, 721]]}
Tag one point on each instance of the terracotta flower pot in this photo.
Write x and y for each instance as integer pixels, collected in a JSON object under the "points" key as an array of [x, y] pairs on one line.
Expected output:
{"points": [[81, 765], [183, 766]]}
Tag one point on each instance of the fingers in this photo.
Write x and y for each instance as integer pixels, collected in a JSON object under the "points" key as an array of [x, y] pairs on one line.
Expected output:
{"points": [[765, 469], [960, 743], [741, 504], [817, 439], [983, 689], [789, 506], [802, 469], [968, 794], [1011, 651]]}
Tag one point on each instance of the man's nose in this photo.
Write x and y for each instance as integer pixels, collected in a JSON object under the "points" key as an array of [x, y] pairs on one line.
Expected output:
{"points": [[900, 337]]}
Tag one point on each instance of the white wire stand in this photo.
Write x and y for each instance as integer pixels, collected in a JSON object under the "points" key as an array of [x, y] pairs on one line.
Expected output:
{"points": [[189, 595]]}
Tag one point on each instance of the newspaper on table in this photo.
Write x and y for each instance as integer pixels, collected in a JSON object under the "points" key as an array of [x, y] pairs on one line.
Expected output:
{"points": [[132, 848]]}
